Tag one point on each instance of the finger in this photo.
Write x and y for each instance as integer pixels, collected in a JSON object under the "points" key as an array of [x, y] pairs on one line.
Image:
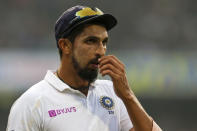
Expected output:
{"points": [[110, 73], [113, 57], [116, 59], [121, 63], [110, 60], [110, 67]]}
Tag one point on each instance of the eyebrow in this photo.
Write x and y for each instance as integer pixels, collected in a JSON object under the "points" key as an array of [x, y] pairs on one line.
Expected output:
{"points": [[97, 38]]}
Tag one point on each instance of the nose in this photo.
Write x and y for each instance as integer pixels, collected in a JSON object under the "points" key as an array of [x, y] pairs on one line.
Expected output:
{"points": [[101, 49]]}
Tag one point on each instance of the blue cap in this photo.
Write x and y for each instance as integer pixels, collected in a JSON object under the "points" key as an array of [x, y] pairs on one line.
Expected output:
{"points": [[78, 15]]}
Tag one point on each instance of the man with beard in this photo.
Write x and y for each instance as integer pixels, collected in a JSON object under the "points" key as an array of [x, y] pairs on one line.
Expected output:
{"points": [[70, 98]]}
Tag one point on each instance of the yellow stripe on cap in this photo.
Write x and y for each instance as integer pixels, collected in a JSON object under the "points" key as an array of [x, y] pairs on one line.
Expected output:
{"points": [[88, 12]]}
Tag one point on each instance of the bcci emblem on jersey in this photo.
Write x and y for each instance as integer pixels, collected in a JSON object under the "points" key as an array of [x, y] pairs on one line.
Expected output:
{"points": [[107, 102]]}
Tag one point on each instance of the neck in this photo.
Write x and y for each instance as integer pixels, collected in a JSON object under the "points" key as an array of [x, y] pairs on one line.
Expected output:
{"points": [[68, 75], [76, 88]]}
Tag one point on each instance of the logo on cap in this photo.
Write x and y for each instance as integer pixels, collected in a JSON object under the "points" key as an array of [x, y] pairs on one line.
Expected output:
{"points": [[88, 12]]}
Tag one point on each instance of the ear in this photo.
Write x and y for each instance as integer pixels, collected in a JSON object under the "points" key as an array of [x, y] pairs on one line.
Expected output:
{"points": [[65, 45]]}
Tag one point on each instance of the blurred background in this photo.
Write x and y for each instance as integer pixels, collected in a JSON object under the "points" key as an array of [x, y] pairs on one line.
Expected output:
{"points": [[156, 39]]}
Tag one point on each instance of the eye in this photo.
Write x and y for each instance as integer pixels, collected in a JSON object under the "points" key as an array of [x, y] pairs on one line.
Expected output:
{"points": [[91, 41], [105, 42]]}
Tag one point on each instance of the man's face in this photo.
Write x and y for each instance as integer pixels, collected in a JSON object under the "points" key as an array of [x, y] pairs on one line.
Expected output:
{"points": [[89, 46]]}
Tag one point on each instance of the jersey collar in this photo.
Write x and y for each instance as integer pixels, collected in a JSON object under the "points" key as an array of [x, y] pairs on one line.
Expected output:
{"points": [[53, 80]]}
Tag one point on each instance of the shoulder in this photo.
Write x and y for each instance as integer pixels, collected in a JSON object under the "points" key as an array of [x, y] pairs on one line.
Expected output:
{"points": [[31, 97], [28, 108], [35, 91]]}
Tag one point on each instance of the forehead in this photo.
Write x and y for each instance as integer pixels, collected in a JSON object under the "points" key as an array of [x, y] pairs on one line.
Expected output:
{"points": [[94, 30]]}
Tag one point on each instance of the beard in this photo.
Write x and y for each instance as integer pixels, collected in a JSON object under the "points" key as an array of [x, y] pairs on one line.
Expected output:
{"points": [[86, 73]]}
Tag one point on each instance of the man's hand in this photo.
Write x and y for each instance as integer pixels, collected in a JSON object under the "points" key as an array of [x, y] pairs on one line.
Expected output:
{"points": [[110, 65]]}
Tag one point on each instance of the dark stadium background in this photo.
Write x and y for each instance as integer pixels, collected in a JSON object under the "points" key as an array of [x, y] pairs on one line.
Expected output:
{"points": [[156, 39]]}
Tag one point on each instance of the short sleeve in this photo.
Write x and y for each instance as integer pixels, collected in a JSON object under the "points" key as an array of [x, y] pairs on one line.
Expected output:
{"points": [[24, 116], [125, 122]]}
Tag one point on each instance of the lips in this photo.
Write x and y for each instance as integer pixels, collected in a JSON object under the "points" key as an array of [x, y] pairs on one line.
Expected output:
{"points": [[95, 65]]}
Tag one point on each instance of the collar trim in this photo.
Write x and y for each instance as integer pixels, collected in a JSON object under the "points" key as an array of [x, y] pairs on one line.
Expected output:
{"points": [[53, 80]]}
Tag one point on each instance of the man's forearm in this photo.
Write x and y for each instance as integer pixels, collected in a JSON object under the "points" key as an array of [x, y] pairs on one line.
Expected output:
{"points": [[140, 119]]}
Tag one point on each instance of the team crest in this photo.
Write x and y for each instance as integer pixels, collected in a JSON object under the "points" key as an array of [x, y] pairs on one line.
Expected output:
{"points": [[107, 102]]}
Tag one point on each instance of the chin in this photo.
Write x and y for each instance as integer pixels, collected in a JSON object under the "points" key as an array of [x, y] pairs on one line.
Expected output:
{"points": [[89, 75]]}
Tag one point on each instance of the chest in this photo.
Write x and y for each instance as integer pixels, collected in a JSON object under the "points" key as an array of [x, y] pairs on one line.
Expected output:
{"points": [[96, 112]]}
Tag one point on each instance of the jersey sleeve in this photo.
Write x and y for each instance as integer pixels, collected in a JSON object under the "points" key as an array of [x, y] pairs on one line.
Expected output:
{"points": [[125, 122], [25, 116]]}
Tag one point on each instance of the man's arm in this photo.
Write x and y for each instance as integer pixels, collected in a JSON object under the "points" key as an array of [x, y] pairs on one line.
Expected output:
{"points": [[110, 65]]}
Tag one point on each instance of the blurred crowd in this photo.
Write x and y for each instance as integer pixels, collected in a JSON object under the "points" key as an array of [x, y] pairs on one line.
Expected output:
{"points": [[153, 24]]}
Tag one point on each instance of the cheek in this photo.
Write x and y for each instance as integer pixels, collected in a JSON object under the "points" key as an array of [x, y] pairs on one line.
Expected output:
{"points": [[83, 56]]}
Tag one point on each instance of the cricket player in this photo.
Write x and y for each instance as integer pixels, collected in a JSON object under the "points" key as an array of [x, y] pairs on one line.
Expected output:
{"points": [[71, 98]]}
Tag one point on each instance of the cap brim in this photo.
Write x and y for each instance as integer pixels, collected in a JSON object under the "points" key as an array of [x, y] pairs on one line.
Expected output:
{"points": [[107, 20]]}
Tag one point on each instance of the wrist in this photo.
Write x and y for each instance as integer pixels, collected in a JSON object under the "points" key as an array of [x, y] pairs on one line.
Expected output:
{"points": [[128, 96]]}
